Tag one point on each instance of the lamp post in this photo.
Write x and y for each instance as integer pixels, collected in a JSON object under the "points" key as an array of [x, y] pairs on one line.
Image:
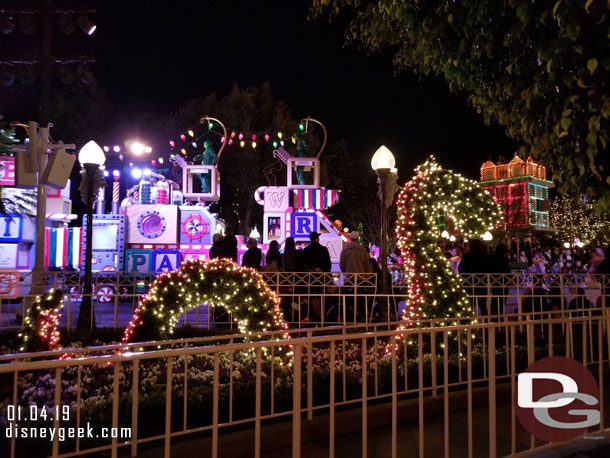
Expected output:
{"points": [[383, 162], [487, 238], [91, 157]]}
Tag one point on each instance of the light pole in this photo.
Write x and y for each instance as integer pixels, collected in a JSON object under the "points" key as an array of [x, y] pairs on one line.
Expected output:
{"points": [[487, 238], [383, 162], [91, 157]]}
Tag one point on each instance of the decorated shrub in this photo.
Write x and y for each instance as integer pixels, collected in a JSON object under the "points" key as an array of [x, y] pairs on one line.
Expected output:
{"points": [[219, 283]]}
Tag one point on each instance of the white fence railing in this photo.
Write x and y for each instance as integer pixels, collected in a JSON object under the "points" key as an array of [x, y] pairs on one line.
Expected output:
{"points": [[324, 299], [442, 375]]}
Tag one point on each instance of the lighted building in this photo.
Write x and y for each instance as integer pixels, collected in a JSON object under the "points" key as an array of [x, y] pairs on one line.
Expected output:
{"points": [[522, 191]]}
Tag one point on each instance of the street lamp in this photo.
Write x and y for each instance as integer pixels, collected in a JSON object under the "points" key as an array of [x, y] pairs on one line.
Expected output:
{"points": [[91, 157], [487, 237], [383, 162]]}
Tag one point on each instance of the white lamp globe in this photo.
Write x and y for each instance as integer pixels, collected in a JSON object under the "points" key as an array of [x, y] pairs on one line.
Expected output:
{"points": [[255, 234], [445, 234], [91, 153], [383, 159], [487, 237]]}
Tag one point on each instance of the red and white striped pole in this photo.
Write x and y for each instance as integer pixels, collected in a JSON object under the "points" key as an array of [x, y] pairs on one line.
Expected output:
{"points": [[115, 192]]}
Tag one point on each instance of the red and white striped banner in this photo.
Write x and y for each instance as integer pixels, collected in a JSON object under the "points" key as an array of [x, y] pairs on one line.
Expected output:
{"points": [[318, 199]]}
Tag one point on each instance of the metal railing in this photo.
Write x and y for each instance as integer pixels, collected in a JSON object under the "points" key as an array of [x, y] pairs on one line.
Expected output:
{"points": [[323, 299], [401, 395]]}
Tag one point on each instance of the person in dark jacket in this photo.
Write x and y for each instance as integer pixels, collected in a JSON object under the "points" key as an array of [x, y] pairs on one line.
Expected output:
{"points": [[476, 261], [253, 255], [216, 251], [229, 244], [499, 265], [293, 258], [316, 255]]}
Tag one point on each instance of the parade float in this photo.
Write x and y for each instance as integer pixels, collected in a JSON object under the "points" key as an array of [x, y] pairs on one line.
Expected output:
{"points": [[164, 220]]}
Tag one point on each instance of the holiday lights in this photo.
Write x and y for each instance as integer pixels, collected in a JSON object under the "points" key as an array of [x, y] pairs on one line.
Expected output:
{"points": [[219, 282], [434, 289], [576, 221], [40, 327]]}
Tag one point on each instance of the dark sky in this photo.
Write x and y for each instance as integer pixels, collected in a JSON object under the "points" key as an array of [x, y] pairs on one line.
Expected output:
{"points": [[154, 56]]}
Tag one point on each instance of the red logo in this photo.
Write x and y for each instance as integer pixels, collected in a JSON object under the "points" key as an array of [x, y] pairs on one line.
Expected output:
{"points": [[557, 399]]}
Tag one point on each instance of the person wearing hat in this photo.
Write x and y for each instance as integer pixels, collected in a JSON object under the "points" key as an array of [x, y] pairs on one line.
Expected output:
{"points": [[316, 256], [354, 258]]}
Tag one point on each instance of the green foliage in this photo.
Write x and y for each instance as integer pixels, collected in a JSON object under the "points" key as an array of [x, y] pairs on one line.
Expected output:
{"points": [[435, 290], [251, 109], [542, 69], [7, 139], [40, 328], [219, 283]]}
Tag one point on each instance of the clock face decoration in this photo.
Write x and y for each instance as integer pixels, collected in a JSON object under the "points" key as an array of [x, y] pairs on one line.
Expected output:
{"points": [[194, 227], [151, 224]]}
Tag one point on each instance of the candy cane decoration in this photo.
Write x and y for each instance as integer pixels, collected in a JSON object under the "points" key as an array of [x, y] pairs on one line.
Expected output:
{"points": [[116, 189], [433, 197]]}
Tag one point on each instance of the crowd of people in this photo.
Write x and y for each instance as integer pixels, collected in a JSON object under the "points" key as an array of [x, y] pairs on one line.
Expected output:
{"points": [[532, 257], [473, 257]]}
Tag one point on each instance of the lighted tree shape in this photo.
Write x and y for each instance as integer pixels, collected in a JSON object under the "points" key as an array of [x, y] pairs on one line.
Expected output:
{"points": [[434, 289], [40, 325], [220, 282], [573, 218]]}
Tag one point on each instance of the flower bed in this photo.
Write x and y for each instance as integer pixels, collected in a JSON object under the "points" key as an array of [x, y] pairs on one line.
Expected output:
{"points": [[236, 386]]}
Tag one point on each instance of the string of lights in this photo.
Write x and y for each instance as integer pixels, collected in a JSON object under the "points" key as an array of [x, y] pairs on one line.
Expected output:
{"points": [[40, 326], [434, 289], [218, 283], [242, 137]]}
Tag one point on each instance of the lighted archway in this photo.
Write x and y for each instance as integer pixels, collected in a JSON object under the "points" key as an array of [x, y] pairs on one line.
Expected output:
{"points": [[219, 282], [433, 197]]}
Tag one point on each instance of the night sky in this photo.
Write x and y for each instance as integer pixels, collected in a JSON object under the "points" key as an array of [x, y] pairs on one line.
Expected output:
{"points": [[152, 56]]}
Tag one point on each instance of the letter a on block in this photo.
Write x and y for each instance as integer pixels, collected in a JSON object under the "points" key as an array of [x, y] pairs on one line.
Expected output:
{"points": [[165, 264]]}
